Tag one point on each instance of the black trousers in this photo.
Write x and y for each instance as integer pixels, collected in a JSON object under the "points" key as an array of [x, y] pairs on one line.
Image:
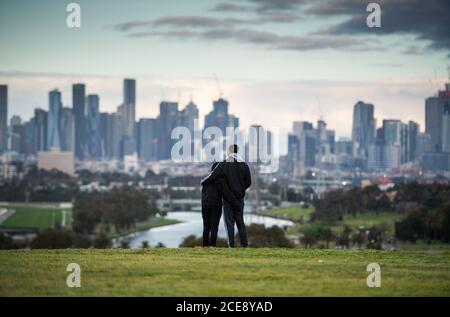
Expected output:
{"points": [[211, 219], [235, 217]]}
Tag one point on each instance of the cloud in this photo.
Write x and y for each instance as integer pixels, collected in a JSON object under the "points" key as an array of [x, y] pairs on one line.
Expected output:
{"points": [[428, 20], [268, 39], [184, 22], [231, 7], [278, 4]]}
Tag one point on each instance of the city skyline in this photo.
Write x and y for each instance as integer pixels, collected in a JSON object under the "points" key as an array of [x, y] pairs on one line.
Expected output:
{"points": [[268, 55]]}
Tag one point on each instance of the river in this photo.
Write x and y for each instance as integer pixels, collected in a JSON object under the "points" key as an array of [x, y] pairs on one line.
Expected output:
{"points": [[172, 235]]}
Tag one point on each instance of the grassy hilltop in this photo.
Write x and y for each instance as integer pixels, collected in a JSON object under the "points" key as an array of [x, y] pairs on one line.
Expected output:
{"points": [[224, 272]]}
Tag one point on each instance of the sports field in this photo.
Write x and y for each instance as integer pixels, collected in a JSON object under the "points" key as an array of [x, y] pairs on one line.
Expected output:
{"points": [[36, 216]]}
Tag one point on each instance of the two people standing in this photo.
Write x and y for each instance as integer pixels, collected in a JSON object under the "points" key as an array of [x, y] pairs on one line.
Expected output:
{"points": [[225, 187]]}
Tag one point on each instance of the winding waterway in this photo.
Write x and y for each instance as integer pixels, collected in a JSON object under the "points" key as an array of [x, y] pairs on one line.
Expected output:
{"points": [[172, 235]]}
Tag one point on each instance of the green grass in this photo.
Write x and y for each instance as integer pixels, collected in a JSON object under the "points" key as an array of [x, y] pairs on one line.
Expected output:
{"points": [[367, 220], [223, 272], [370, 219], [294, 213], [35, 216]]}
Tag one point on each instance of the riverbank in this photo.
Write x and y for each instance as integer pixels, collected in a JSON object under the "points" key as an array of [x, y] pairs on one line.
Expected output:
{"points": [[153, 222], [231, 272]]}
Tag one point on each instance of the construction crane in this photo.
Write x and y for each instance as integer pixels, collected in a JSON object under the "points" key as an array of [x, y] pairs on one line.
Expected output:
{"points": [[219, 88]]}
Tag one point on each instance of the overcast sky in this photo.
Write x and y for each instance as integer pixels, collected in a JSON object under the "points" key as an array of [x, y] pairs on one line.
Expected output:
{"points": [[277, 60]]}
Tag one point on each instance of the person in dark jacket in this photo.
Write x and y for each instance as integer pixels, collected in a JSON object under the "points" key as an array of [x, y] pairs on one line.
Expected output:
{"points": [[213, 193], [237, 175]]}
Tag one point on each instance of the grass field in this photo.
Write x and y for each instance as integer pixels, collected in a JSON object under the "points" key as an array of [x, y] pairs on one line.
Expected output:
{"points": [[295, 214], [224, 272], [36, 216]]}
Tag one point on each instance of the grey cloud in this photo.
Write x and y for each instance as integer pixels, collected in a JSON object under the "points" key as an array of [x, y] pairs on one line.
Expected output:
{"points": [[267, 39], [429, 20], [231, 7], [183, 22]]}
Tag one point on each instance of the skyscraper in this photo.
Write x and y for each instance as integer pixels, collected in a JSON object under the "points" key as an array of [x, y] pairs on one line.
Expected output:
{"points": [[67, 130], [54, 120], [168, 120], [435, 115], [3, 118], [113, 135], [93, 141], [129, 98], [412, 140], [363, 130], [129, 91], [446, 128], [148, 139], [40, 130], [79, 112], [220, 118], [437, 123]]}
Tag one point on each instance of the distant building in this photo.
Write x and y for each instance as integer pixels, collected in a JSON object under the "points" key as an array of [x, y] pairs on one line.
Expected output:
{"points": [[40, 130], [93, 141], [220, 118], [55, 159], [67, 130], [79, 112], [436, 119], [148, 139], [8, 171], [363, 130], [54, 120], [3, 118], [168, 120]]}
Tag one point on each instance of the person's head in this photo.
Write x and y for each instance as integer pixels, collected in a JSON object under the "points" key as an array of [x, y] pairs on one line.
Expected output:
{"points": [[233, 149]]}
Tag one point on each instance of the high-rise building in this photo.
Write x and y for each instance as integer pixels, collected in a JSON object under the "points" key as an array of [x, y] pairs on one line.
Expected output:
{"points": [[93, 140], [129, 91], [293, 152], [220, 118], [363, 130], [259, 146], [392, 131], [188, 115], [129, 99], [3, 118], [40, 130], [446, 128], [412, 140], [113, 136], [17, 135], [306, 136], [435, 115], [168, 120], [437, 123], [54, 120], [79, 112], [148, 139], [67, 130]]}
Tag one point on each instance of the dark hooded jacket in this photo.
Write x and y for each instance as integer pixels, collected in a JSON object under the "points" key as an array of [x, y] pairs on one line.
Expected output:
{"points": [[214, 191]]}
